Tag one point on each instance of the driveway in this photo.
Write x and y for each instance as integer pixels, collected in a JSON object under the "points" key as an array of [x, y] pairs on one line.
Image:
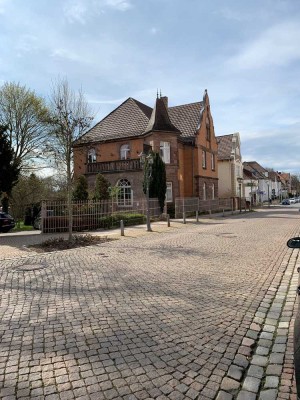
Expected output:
{"points": [[196, 311]]}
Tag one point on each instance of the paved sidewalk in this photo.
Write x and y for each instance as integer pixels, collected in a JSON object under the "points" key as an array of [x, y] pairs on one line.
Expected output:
{"points": [[197, 311]]}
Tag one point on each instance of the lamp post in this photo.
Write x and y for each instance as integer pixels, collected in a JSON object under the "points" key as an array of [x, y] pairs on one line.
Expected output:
{"points": [[146, 163], [269, 203], [240, 180]]}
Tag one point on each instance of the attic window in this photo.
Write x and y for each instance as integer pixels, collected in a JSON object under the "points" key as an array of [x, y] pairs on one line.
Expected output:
{"points": [[92, 157]]}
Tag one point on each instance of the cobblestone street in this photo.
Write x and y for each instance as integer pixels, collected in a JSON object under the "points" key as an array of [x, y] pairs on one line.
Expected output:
{"points": [[196, 311]]}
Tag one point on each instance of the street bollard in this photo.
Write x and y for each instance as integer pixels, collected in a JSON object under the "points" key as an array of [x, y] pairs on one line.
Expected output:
{"points": [[122, 227], [223, 212], [184, 221], [197, 216], [209, 213], [168, 220]]}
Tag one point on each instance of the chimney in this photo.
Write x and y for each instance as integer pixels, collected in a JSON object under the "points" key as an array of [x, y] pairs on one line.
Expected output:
{"points": [[165, 100]]}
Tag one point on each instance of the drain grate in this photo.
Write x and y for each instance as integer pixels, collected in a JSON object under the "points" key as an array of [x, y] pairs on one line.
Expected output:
{"points": [[30, 267]]}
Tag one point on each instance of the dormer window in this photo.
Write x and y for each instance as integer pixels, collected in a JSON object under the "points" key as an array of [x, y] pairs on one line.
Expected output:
{"points": [[92, 158], [125, 152]]}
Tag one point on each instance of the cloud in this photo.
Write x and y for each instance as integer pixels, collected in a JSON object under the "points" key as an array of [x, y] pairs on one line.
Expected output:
{"points": [[75, 11], [65, 54], [154, 31], [121, 5], [82, 10], [277, 46]]}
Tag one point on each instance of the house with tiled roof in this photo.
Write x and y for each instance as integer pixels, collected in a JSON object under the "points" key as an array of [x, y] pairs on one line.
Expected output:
{"points": [[230, 167], [259, 175], [183, 135]]}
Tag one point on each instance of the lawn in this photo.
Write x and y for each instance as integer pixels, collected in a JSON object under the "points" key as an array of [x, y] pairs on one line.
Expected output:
{"points": [[21, 227]]}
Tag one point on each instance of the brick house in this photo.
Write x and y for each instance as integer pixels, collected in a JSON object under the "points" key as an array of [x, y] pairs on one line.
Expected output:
{"points": [[183, 135]]}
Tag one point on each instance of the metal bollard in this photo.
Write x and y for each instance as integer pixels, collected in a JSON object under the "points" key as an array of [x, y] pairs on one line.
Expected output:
{"points": [[168, 220], [122, 227], [209, 213], [184, 221], [197, 216], [223, 212]]}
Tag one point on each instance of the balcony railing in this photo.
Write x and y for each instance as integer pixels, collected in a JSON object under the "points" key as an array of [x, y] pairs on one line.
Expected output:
{"points": [[114, 166]]}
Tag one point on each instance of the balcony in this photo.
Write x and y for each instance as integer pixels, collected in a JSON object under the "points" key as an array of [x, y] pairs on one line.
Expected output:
{"points": [[113, 166]]}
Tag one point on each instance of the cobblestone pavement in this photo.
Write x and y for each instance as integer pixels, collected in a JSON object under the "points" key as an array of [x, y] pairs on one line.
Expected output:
{"points": [[196, 311]]}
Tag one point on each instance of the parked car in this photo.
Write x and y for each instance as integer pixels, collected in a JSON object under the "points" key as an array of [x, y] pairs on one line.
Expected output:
{"points": [[286, 202], [292, 200], [294, 243], [6, 222]]}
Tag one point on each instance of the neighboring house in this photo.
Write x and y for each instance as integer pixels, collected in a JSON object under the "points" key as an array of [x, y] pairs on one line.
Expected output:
{"points": [[275, 183], [250, 183], [263, 191], [230, 167], [183, 135], [286, 184]]}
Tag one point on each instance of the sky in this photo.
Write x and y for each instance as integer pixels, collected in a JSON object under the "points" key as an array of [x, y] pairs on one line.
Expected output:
{"points": [[245, 53]]}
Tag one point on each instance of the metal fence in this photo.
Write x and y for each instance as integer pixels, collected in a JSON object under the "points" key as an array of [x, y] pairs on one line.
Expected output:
{"points": [[91, 215], [188, 206]]}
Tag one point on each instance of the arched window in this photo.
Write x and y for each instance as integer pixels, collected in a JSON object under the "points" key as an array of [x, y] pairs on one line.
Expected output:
{"points": [[204, 191], [125, 193], [125, 152], [92, 156]]}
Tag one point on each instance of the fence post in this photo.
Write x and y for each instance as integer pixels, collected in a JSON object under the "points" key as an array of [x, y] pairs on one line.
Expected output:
{"points": [[168, 220], [197, 216], [122, 227], [184, 221]]}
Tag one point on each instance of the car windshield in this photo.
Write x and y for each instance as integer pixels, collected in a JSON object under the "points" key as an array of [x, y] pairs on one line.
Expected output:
{"points": [[4, 215]]}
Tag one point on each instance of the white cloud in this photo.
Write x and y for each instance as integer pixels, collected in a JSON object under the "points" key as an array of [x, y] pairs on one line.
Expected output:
{"points": [[277, 46], [153, 31], [75, 11], [65, 54], [121, 5], [82, 10]]}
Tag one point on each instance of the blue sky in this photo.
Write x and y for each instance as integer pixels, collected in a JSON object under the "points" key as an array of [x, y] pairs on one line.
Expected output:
{"points": [[246, 54]]}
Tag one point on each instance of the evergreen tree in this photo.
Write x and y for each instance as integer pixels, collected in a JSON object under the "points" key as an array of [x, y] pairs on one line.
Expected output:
{"points": [[80, 192], [101, 191], [158, 181], [9, 168]]}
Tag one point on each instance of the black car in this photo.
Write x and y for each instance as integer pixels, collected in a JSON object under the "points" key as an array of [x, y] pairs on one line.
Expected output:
{"points": [[6, 222]]}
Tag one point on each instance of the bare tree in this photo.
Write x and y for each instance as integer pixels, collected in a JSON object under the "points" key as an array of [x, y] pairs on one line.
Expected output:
{"points": [[70, 117], [25, 115]]}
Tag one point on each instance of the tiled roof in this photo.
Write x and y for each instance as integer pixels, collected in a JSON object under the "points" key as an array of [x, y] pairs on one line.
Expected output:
{"points": [[186, 118], [160, 119], [224, 146], [129, 119], [257, 170], [132, 118]]}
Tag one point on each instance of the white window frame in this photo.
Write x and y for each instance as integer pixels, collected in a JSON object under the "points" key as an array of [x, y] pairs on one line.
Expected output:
{"points": [[213, 162], [204, 165], [125, 195], [92, 156], [169, 192], [125, 152], [165, 152]]}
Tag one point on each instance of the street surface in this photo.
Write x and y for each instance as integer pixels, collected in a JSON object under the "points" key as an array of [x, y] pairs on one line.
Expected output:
{"points": [[197, 311]]}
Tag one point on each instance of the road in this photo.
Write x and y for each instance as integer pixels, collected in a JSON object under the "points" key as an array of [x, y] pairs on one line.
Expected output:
{"points": [[195, 311]]}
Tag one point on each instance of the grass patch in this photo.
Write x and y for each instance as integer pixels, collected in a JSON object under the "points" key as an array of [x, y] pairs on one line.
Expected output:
{"points": [[60, 243], [21, 227]]}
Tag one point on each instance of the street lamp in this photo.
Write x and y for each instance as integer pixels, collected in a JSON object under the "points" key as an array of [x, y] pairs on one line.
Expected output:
{"points": [[147, 162], [240, 180]]}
